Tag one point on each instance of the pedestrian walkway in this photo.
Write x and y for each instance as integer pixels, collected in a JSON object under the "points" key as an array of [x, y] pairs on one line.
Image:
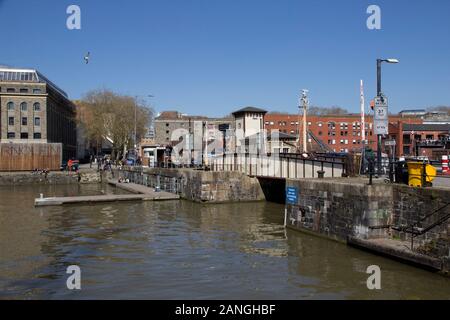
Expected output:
{"points": [[140, 193]]}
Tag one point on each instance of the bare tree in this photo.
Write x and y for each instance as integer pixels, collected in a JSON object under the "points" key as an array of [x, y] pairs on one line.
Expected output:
{"points": [[107, 115], [445, 109]]}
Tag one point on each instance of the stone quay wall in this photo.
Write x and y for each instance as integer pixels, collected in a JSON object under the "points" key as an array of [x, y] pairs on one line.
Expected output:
{"points": [[350, 208], [28, 178], [340, 209], [196, 185], [423, 207]]}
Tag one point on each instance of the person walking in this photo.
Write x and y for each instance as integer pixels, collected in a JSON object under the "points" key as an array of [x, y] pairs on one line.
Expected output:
{"points": [[69, 165]]}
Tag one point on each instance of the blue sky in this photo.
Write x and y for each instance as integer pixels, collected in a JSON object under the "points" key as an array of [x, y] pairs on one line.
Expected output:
{"points": [[214, 56]]}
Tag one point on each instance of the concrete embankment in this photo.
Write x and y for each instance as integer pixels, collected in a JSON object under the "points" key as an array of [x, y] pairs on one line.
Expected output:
{"points": [[406, 223], [31, 178], [198, 186]]}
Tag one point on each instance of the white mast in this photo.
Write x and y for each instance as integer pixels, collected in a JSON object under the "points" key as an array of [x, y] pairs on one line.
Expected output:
{"points": [[363, 117], [305, 103]]}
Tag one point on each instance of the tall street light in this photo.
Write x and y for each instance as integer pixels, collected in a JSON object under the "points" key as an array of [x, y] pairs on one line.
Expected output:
{"points": [[135, 117], [379, 94]]}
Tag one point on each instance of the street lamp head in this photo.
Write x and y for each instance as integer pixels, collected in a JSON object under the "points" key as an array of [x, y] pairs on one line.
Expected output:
{"points": [[392, 60]]}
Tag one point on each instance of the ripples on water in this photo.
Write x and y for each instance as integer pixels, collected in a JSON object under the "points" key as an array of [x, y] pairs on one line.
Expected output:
{"points": [[182, 250]]}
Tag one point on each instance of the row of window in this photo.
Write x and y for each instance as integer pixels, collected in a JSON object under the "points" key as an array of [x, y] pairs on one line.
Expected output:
{"points": [[23, 90], [331, 125], [24, 135], [23, 106], [333, 142], [37, 121]]}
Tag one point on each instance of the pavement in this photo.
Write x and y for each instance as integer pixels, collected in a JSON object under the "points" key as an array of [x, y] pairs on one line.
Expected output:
{"points": [[442, 182]]}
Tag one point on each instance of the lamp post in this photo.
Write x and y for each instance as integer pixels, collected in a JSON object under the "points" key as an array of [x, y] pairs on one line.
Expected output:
{"points": [[135, 117], [379, 94]]}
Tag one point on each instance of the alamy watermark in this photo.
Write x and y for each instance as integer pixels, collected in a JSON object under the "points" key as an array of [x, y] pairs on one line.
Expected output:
{"points": [[374, 280], [74, 280], [374, 20], [73, 21]]}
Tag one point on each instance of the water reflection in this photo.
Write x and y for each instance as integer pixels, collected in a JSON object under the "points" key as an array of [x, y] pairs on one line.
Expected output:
{"points": [[182, 250]]}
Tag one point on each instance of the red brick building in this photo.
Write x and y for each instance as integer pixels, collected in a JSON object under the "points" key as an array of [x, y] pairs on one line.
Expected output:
{"points": [[420, 139], [341, 133]]}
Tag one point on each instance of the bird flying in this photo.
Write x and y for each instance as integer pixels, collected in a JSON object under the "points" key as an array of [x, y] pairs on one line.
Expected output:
{"points": [[86, 57]]}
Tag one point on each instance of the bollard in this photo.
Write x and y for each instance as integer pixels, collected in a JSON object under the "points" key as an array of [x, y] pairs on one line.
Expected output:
{"points": [[371, 169], [321, 174], [42, 196], [445, 169]]}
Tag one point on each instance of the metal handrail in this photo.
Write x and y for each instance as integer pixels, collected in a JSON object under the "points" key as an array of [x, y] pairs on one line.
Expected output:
{"points": [[413, 228]]}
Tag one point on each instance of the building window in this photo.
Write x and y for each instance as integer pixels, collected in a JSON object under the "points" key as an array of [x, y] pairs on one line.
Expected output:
{"points": [[37, 135], [11, 135], [23, 90], [37, 122], [320, 133], [24, 135], [11, 121], [24, 121], [10, 90], [10, 106], [167, 124], [37, 91], [37, 106], [24, 106]]}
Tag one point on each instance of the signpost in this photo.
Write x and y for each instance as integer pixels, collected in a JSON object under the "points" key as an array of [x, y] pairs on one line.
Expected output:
{"points": [[390, 143], [381, 121], [292, 199], [292, 195]]}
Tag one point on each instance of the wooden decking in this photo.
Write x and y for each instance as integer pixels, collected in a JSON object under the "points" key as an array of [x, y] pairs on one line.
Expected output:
{"points": [[140, 193]]}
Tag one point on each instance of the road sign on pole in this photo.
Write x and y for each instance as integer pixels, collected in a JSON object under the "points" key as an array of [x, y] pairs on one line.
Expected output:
{"points": [[381, 118], [390, 143]]}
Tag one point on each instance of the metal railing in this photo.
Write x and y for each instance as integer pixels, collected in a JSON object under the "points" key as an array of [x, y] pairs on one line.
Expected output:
{"points": [[415, 230], [152, 180], [282, 165]]}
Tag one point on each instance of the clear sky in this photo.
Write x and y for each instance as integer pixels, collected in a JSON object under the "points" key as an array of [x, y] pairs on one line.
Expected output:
{"points": [[213, 56]]}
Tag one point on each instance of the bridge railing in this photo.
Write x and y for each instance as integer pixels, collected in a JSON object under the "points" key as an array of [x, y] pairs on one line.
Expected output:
{"points": [[290, 166], [165, 183]]}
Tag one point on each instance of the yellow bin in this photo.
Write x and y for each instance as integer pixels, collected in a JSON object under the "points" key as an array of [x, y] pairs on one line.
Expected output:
{"points": [[415, 172]]}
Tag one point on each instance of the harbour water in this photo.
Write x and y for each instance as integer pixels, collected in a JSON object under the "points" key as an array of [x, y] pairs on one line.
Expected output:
{"points": [[182, 250]]}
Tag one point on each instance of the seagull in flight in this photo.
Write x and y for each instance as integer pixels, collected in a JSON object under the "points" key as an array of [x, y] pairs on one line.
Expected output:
{"points": [[86, 57]]}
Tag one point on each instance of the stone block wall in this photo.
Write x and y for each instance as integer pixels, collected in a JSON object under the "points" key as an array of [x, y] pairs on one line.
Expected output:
{"points": [[340, 209], [423, 207], [348, 208], [28, 178], [205, 186]]}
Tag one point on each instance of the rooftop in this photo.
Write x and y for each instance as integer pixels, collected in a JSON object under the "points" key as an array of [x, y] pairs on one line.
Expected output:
{"points": [[250, 110], [27, 75], [426, 127]]}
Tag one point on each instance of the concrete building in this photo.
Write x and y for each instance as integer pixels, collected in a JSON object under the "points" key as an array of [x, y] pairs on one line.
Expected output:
{"points": [[249, 121], [35, 110], [169, 121]]}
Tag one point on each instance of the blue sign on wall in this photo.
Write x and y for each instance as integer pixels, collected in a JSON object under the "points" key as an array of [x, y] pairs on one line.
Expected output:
{"points": [[291, 195]]}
